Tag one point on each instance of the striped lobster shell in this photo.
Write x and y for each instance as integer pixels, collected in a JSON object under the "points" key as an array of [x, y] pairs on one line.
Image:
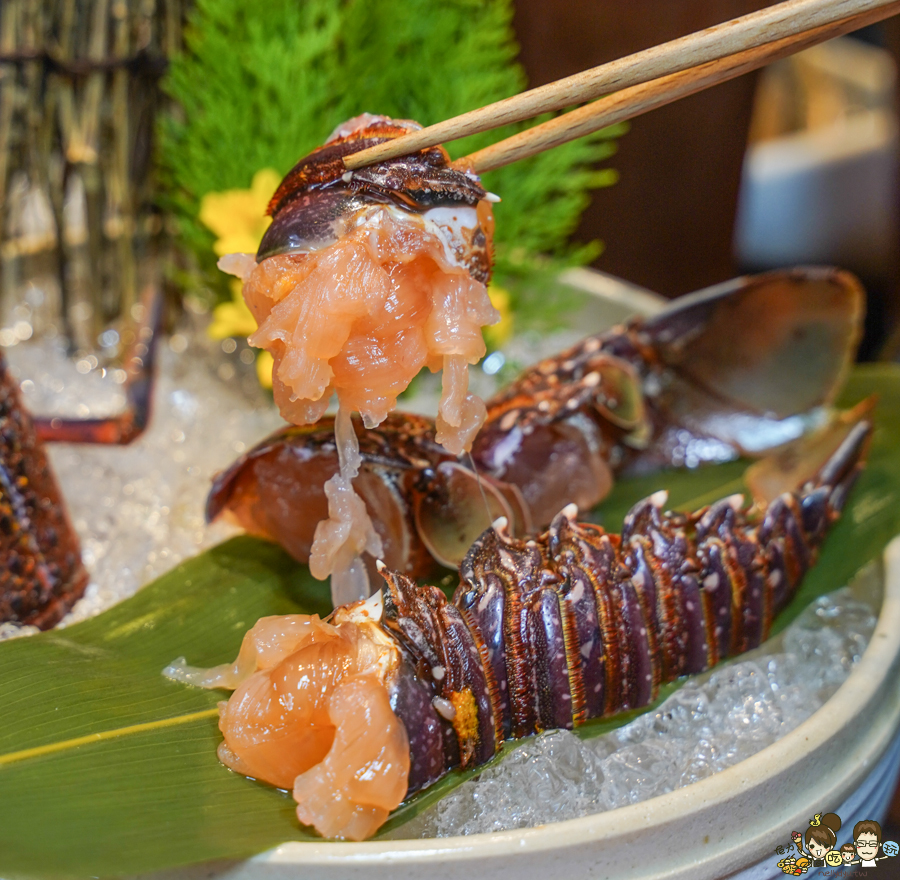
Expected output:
{"points": [[579, 624]]}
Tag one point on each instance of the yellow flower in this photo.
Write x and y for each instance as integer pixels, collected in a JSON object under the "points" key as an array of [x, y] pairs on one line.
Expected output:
{"points": [[265, 363], [238, 216], [232, 318], [498, 334], [238, 219]]}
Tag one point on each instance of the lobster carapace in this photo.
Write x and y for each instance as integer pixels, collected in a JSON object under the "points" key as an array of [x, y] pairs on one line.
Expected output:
{"points": [[41, 573]]}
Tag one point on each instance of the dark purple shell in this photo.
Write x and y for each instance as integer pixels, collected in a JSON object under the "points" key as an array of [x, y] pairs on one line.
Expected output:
{"points": [[701, 381], [579, 624], [319, 198]]}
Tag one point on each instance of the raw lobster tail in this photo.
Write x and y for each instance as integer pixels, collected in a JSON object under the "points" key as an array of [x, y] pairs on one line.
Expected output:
{"points": [[579, 624], [390, 693]]}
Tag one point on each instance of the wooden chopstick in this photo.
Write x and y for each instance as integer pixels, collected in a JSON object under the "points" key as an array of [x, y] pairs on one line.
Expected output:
{"points": [[773, 23], [633, 101]]}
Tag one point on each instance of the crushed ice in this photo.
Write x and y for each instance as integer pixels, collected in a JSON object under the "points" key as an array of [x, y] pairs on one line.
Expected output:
{"points": [[709, 724], [139, 509]]}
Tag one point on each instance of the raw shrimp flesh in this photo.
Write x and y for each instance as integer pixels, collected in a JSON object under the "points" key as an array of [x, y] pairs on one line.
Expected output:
{"points": [[363, 279]]}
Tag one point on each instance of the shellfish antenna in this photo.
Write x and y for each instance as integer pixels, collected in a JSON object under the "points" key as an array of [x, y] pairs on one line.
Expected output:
{"points": [[472, 464]]}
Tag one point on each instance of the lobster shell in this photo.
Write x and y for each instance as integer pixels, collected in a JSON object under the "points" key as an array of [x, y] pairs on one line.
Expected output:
{"points": [[578, 624], [702, 381], [545, 632], [41, 576], [318, 200]]}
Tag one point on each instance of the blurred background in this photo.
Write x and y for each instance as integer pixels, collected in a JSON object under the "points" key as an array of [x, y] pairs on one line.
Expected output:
{"points": [[794, 164]]}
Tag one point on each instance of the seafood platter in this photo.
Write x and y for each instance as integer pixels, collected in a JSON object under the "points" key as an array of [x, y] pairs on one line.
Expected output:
{"points": [[589, 566]]}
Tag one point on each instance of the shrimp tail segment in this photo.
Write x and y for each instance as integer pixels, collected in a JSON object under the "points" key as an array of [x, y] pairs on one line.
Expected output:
{"points": [[578, 623]]}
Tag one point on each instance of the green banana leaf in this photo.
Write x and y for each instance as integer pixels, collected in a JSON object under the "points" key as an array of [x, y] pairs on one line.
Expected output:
{"points": [[107, 768]]}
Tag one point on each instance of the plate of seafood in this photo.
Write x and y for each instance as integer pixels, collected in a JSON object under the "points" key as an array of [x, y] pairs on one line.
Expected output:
{"points": [[632, 607]]}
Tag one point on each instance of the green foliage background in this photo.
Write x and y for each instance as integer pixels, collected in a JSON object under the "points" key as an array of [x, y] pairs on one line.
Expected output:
{"points": [[261, 84]]}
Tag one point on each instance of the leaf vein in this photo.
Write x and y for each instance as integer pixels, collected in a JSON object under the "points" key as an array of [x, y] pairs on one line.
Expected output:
{"points": [[75, 742]]}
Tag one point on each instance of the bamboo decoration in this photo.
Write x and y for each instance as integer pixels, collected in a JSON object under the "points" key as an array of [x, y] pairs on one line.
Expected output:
{"points": [[79, 86]]}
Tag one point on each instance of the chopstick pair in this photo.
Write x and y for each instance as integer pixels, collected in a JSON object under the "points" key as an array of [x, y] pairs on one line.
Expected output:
{"points": [[640, 82]]}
